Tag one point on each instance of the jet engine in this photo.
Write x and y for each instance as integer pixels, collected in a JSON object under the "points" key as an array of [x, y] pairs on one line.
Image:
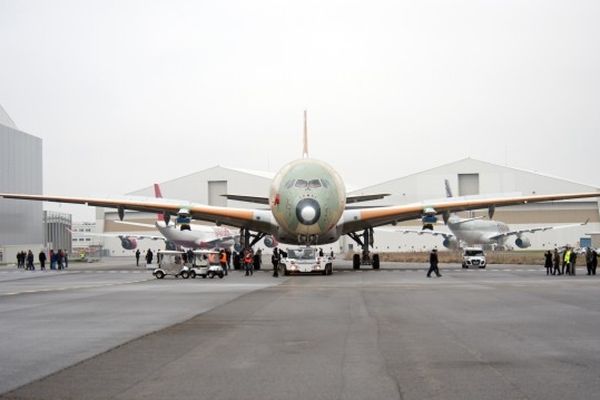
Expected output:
{"points": [[429, 218], [522, 242], [128, 243], [270, 241], [450, 243]]}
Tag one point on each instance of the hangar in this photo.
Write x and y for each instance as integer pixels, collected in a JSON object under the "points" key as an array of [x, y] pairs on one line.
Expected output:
{"points": [[467, 177]]}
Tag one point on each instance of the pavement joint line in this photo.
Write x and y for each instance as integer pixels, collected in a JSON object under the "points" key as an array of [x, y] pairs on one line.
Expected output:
{"points": [[72, 288]]}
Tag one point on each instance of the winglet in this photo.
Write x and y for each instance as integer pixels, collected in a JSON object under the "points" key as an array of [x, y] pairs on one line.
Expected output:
{"points": [[305, 149], [158, 195], [448, 190]]}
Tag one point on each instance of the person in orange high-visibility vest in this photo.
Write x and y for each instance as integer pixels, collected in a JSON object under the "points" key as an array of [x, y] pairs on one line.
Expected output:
{"points": [[223, 261], [248, 264]]}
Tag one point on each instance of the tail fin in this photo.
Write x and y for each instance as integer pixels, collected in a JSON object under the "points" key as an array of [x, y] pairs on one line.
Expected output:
{"points": [[158, 195], [305, 149], [448, 190]]}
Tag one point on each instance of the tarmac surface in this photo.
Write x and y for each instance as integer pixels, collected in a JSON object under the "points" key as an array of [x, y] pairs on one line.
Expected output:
{"points": [[112, 331]]}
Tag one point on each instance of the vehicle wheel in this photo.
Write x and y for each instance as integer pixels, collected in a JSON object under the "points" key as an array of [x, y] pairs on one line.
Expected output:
{"points": [[211, 275], [356, 261], [285, 271], [481, 266], [220, 276], [185, 275], [203, 276], [375, 262], [159, 275], [193, 274], [464, 265], [329, 269]]}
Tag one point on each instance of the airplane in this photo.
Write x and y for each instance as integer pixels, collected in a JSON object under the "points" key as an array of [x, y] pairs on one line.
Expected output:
{"points": [[307, 205], [476, 231]]}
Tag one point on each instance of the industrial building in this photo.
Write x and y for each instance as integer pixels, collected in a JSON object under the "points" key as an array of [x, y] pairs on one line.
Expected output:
{"points": [[467, 177], [20, 172]]}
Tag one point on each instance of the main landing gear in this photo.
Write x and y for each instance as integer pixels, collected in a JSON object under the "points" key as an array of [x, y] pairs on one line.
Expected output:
{"points": [[364, 240]]}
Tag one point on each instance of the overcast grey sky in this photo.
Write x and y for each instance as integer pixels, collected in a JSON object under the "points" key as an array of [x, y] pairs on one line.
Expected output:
{"points": [[126, 93]]}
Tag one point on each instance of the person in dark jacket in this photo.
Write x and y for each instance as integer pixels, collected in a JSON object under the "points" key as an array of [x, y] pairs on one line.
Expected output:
{"points": [[275, 261], [556, 259], [573, 261], [42, 258], [548, 262], [588, 260], [433, 264], [30, 261], [149, 256], [137, 258], [594, 261]]}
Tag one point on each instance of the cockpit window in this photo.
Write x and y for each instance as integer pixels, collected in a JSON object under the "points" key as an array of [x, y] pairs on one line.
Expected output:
{"points": [[325, 183], [289, 184], [314, 183], [301, 183]]}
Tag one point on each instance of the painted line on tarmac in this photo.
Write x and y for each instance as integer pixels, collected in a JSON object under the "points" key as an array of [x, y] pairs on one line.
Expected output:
{"points": [[72, 288]]}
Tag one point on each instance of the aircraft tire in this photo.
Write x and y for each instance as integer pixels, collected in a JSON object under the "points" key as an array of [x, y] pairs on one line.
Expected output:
{"points": [[356, 261], [375, 262]]}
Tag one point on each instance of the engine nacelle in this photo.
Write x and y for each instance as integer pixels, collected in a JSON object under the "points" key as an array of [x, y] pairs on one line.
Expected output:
{"points": [[450, 243], [128, 243], [270, 241], [522, 242], [429, 218]]}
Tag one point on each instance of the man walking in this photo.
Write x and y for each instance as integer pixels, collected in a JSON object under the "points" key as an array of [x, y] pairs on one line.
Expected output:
{"points": [[433, 264], [137, 258]]}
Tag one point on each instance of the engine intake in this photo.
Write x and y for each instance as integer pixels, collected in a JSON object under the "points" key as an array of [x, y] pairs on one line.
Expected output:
{"points": [[522, 242]]}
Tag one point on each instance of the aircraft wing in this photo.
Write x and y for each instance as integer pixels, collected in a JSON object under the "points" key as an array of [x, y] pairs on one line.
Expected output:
{"points": [[536, 229], [265, 200], [135, 224], [258, 220], [445, 235], [120, 235], [363, 218]]}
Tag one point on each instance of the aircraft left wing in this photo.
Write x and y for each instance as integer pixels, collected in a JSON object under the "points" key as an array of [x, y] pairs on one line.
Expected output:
{"points": [[445, 235], [363, 218], [536, 229], [120, 235], [257, 220]]}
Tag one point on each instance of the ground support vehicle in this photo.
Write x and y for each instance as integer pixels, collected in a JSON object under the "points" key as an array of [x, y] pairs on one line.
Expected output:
{"points": [[305, 260], [170, 262], [204, 263], [473, 256]]}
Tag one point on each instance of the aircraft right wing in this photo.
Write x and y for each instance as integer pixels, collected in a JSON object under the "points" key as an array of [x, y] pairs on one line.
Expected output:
{"points": [[363, 218]]}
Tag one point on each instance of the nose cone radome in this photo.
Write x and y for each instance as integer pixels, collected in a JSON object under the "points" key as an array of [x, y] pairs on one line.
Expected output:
{"points": [[308, 211]]}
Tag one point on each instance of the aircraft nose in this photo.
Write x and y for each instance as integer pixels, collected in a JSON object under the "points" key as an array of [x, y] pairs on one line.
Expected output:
{"points": [[308, 211]]}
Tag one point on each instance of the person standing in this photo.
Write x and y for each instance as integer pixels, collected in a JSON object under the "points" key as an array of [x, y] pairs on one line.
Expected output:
{"points": [[433, 264], [137, 258], [149, 256], [42, 258], [30, 261], [548, 262], [573, 261], [556, 270], [275, 261], [566, 261], [588, 260], [223, 261], [248, 262], [594, 261]]}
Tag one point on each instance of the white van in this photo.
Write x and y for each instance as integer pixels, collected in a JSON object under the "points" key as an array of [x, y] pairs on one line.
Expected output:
{"points": [[473, 256]]}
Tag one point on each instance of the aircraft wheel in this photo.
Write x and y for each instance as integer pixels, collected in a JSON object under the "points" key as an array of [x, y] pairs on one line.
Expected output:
{"points": [[159, 275], [356, 261], [375, 262]]}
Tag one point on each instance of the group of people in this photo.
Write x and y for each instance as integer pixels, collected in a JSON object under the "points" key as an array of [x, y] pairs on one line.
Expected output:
{"points": [[58, 260], [564, 263]]}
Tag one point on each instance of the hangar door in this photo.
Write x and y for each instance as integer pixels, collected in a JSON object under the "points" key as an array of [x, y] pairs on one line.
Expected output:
{"points": [[215, 190], [468, 184]]}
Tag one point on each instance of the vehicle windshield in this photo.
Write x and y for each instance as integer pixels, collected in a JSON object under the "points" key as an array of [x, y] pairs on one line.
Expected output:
{"points": [[471, 253], [302, 254]]}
